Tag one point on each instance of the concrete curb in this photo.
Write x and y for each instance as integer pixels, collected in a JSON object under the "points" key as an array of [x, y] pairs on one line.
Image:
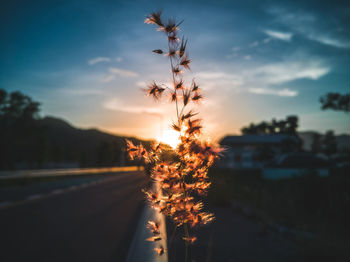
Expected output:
{"points": [[142, 250]]}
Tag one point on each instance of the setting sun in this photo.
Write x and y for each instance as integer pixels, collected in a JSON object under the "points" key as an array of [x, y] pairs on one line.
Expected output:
{"points": [[170, 137]]}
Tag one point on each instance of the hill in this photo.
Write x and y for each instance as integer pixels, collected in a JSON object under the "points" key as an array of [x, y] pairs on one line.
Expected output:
{"points": [[88, 147], [51, 142]]}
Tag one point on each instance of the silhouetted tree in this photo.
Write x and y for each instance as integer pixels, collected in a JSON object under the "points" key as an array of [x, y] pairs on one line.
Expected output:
{"points": [[272, 127], [316, 145], [21, 140], [292, 125], [281, 126], [336, 101], [249, 130], [288, 126], [17, 106], [329, 143], [262, 128], [3, 97]]}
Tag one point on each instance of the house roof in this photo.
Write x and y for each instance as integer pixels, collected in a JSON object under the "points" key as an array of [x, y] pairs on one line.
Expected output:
{"points": [[257, 139]]}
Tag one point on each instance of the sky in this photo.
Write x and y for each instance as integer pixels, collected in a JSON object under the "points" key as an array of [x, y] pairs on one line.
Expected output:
{"points": [[87, 61]]}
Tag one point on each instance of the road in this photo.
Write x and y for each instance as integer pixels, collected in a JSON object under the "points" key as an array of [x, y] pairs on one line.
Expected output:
{"points": [[91, 223]]}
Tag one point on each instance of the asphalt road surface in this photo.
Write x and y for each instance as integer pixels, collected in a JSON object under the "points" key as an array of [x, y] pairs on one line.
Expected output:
{"points": [[92, 223]]}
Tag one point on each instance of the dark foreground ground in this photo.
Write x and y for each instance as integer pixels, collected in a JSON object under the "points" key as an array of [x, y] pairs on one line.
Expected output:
{"points": [[72, 223], [299, 219], [233, 237]]}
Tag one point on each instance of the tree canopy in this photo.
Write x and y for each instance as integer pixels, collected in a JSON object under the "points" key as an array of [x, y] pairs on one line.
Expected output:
{"points": [[336, 101], [288, 126], [17, 105]]}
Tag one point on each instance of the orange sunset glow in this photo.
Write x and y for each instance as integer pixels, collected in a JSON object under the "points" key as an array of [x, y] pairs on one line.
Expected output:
{"points": [[170, 137]]}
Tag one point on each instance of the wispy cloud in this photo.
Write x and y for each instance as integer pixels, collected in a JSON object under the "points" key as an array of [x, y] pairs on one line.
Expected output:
{"points": [[222, 80], [265, 79], [278, 73], [284, 36], [115, 104], [254, 44], [82, 91], [98, 59], [114, 71], [233, 52], [141, 84], [268, 91], [327, 40], [311, 26], [268, 78], [119, 59], [108, 78], [267, 40], [236, 48], [207, 75], [122, 72], [247, 57]]}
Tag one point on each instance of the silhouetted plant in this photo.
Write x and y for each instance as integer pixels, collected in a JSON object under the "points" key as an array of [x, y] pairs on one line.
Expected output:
{"points": [[184, 178]]}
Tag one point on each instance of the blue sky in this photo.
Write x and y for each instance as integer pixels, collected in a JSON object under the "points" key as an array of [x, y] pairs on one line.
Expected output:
{"points": [[256, 60]]}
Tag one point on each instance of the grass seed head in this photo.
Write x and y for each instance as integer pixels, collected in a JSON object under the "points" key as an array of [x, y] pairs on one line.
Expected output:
{"points": [[186, 176]]}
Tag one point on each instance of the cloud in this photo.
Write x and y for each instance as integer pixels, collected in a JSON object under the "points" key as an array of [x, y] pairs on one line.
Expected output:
{"points": [[267, 78], [312, 26], [214, 80], [122, 72], [267, 40], [284, 36], [247, 57], [98, 59], [236, 48], [141, 84], [207, 75], [233, 52], [82, 91], [119, 59], [254, 44], [278, 73], [327, 40], [268, 91], [115, 104], [108, 78]]}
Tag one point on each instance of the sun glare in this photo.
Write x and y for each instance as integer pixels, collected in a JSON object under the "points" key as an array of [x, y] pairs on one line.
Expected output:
{"points": [[170, 137]]}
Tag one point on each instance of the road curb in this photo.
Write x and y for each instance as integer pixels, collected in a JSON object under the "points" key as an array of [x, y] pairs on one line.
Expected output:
{"points": [[142, 250]]}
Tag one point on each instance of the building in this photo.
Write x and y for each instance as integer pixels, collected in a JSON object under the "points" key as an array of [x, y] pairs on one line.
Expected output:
{"points": [[252, 151], [296, 164]]}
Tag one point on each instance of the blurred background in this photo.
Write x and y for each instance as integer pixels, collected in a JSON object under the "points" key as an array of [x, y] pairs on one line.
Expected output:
{"points": [[276, 83]]}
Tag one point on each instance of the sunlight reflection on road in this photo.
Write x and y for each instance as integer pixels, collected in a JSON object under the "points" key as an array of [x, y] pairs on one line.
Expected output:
{"points": [[65, 172]]}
